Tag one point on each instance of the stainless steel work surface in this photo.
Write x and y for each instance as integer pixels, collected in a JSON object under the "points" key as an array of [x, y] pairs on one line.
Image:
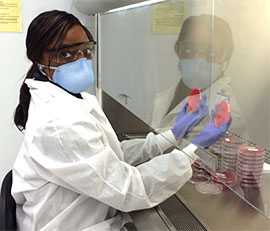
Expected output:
{"points": [[178, 216], [170, 215], [223, 212], [148, 220]]}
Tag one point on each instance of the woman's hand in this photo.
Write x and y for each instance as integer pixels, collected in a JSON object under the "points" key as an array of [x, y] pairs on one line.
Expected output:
{"points": [[211, 132], [186, 120]]}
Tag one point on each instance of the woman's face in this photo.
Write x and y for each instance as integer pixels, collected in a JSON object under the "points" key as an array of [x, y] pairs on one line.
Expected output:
{"points": [[201, 42], [74, 39]]}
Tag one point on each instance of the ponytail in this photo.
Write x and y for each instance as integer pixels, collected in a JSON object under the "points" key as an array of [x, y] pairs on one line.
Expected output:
{"points": [[21, 111]]}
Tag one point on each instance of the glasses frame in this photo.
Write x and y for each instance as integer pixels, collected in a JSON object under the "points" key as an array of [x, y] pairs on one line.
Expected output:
{"points": [[75, 53], [206, 52]]}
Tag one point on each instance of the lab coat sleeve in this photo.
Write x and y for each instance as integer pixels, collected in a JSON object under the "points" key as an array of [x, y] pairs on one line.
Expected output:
{"points": [[137, 151], [75, 157]]}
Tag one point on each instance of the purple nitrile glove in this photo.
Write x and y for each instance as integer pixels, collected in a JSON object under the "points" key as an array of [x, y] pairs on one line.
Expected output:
{"points": [[186, 120], [211, 133]]}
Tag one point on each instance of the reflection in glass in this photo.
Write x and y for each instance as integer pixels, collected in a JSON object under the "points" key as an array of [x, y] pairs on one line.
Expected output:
{"points": [[203, 61], [151, 75]]}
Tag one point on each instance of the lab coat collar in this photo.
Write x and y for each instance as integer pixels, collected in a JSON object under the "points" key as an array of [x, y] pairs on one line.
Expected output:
{"points": [[48, 92], [41, 77], [51, 90]]}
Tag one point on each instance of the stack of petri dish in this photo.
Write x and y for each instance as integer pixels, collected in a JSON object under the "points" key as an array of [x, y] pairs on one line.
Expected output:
{"points": [[199, 174], [249, 169], [226, 179], [230, 146], [216, 147]]}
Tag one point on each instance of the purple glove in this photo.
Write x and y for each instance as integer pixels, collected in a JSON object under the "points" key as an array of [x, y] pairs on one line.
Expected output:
{"points": [[185, 120], [210, 134]]}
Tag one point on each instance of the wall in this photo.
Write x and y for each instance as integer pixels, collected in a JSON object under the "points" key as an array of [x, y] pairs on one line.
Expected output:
{"points": [[14, 65]]}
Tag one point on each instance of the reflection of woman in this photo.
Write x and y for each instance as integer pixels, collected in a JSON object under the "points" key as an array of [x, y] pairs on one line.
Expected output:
{"points": [[204, 48], [72, 173]]}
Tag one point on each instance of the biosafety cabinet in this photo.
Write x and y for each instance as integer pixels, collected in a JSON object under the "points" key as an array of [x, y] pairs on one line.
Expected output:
{"points": [[149, 59]]}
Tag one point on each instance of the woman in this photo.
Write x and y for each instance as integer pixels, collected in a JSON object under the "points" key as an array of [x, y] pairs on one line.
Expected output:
{"points": [[71, 172]]}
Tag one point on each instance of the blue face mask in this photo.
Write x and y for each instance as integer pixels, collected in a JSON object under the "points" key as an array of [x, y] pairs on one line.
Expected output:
{"points": [[198, 73], [75, 77]]}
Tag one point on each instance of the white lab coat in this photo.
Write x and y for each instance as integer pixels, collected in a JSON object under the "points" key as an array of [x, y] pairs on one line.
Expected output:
{"points": [[72, 173]]}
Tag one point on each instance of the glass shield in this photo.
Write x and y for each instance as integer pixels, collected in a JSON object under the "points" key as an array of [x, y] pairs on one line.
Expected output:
{"points": [[129, 66], [140, 53], [244, 152], [156, 59]]}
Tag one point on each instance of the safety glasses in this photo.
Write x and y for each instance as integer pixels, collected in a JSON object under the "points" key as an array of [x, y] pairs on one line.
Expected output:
{"points": [[70, 53], [188, 50]]}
